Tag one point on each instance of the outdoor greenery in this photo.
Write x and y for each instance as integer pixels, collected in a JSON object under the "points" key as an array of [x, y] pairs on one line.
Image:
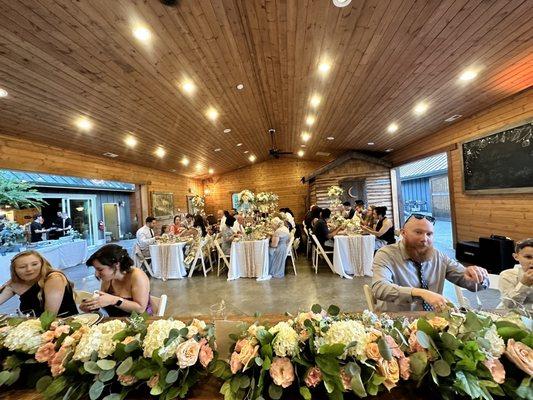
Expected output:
{"points": [[18, 194]]}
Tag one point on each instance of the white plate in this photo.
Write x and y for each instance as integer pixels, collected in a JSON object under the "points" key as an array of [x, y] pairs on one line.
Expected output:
{"points": [[87, 319]]}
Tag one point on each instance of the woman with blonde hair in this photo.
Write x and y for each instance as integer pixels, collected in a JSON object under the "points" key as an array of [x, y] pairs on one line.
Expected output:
{"points": [[39, 286], [278, 248]]}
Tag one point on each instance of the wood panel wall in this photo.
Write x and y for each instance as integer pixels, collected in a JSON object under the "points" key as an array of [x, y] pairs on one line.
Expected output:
{"points": [[480, 215], [377, 182], [24, 155], [282, 176]]}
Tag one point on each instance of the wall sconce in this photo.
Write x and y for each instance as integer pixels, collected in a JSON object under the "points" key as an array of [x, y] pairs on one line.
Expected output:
{"points": [[207, 192]]}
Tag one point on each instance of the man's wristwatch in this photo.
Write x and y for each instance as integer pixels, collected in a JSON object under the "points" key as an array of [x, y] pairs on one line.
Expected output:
{"points": [[119, 303]]}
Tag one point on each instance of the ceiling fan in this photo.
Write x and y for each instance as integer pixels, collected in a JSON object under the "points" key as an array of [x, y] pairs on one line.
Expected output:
{"points": [[274, 151]]}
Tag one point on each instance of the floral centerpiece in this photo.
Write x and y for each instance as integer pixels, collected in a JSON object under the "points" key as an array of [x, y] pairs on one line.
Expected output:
{"points": [[334, 193], [198, 203], [266, 201], [246, 197]]}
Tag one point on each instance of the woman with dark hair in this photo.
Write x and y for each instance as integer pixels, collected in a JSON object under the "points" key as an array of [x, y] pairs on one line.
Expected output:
{"points": [[176, 228], [40, 287], [164, 230], [227, 235], [199, 223], [124, 288], [384, 230], [312, 216]]}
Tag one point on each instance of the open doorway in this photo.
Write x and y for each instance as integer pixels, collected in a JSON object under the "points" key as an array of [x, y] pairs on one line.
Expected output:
{"points": [[424, 189], [112, 220]]}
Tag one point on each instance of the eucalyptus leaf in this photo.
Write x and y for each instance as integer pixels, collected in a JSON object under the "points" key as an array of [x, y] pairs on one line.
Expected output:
{"points": [[106, 375], [4, 377], [42, 383], [172, 376], [244, 381], [449, 341], [96, 390], [418, 363], [125, 366], [275, 391], [423, 339], [357, 385], [384, 349], [13, 377], [106, 364], [112, 396], [57, 386], [316, 308], [258, 360], [91, 367]]}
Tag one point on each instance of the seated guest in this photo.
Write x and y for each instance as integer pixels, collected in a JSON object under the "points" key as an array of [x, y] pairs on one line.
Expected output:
{"points": [[516, 284], [176, 228], [124, 288], [37, 229], [199, 224], [359, 208], [277, 252], [410, 275], [384, 230], [145, 236], [348, 211], [227, 235], [189, 221], [164, 230], [312, 216], [40, 287], [221, 217], [368, 217], [238, 226], [322, 232]]}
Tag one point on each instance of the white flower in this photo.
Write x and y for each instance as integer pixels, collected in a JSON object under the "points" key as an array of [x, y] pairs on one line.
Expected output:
{"points": [[25, 337], [254, 329], [100, 339], [199, 325], [497, 345], [286, 341], [156, 334], [346, 332], [335, 191], [187, 353]]}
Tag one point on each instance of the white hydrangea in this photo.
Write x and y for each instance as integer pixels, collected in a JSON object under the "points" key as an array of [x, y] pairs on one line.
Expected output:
{"points": [[25, 337], [156, 334], [346, 332], [286, 341], [100, 339], [497, 345]]}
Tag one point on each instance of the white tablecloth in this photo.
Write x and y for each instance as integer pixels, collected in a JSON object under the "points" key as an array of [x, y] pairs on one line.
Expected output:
{"points": [[353, 255], [249, 259], [168, 260], [61, 255]]}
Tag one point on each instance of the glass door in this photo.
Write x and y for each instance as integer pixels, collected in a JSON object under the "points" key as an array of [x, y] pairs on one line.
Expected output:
{"points": [[80, 212]]}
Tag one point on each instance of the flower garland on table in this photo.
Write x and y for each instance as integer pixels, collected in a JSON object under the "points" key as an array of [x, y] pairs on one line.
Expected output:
{"points": [[198, 203], [107, 360], [329, 353]]}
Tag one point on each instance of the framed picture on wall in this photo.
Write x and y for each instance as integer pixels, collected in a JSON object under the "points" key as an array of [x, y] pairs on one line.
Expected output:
{"points": [[162, 205]]}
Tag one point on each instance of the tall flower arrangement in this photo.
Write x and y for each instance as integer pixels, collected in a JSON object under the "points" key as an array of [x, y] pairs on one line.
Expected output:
{"points": [[266, 201], [334, 194], [198, 203]]}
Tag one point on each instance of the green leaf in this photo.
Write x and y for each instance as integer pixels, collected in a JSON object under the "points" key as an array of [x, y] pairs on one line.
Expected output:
{"points": [[384, 349], [258, 360], [449, 341], [244, 381], [328, 364], [91, 367], [120, 336], [305, 393], [184, 332], [334, 350], [107, 375], [508, 332], [113, 396], [333, 310], [172, 335], [266, 364], [132, 346], [468, 384], [4, 377], [157, 389], [125, 366], [46, 319], [172, 376], [434, 375], [43, 383], [472, 322], [106, 364], [96, 390], [528, 340], [221, 369], [418, 364], [144, 373], [423, 339], [275, 391], [356, 382], [264, 337], [57, 386], [442, 368], [424, 326], [316, 308], [525, 390]]}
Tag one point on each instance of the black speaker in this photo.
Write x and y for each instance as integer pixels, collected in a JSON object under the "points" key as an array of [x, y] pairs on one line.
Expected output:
{"points": [[496, 253], [467, 252]]}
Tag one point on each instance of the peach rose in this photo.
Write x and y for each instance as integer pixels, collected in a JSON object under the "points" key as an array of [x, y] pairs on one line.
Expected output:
{"points": [[127, 340], [404, 363], [521, 355], [62, 329], [45, 352], [248, 353], [496, 369], [154, 380], [396, 351], [48, 336], [240, 344], [313, 377], [372, 351], [56, 362], [438, 323], [80, 332], [235, 363], [206, 353], [391, 372], [187, 353], [374, 335], [54, 325], [127, 380], [282, 371], [303, 336], [346, 379]]}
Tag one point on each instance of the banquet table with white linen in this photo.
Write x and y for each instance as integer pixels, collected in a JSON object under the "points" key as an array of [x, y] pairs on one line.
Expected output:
{"points": [[249, 259], [168, 260], [353, 255]]}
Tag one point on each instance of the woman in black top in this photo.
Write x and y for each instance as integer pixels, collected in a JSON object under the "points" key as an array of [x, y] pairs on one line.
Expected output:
{"points": [[384, 230], [39, 286]]}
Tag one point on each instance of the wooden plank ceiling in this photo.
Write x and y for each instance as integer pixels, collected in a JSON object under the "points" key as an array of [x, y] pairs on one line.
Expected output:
{"points": [[60, 60]]}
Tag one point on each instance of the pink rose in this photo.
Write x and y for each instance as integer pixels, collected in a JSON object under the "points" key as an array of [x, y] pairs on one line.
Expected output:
{"points": [[61, 330], [414, 346], [45, 352], [313, 377], [346, 379], [235, 363], [282, 371], [154, 380], [240, 344], [206, 354], [496, 369], [404, 363], [57, 369], [56, 362], [396, 351], [48, 336], [127, 380], [521, 355]]}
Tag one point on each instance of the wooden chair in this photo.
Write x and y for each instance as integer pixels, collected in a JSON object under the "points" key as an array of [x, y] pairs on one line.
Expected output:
{"points": [[320, 252], [370, 299]]}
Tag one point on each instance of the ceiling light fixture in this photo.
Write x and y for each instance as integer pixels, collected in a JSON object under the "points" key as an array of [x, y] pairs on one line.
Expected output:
{"points": [[212, 114], [420, 108], [227, 130], [306, 136], [389, 150], [185, 161], [84, 123], [330, 138], [324, 68], [239, 144], [188, 87], [211, 171], [468, 75], [160, 152], [301, 153], [218, 149], [142, 33], [341, 3], [453, 118], [310, 120], [246, 152], [392, 128], [3, 92], [130, 141], [315, 101], [240, 86], [371, 143], [252, 158]]}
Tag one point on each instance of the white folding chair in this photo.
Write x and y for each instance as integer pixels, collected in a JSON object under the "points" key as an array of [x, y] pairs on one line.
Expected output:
{"points": [[159, 305], [200, 256], [295, 245], [320, 252], [221, 256], [463, 302], [290, 253], [370, 299], [140, 261], [309, 244]]}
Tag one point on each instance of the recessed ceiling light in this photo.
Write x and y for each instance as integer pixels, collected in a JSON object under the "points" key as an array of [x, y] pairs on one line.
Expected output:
{"points": [[211, 171], [341, 3], [306, 136], [330, 138], [240, 86], [218, 149], [142, 33], [420, 108], [315, 101], [239, 144], [389, 150], [468, 75], [130, 141], [310, 120], [453, 118], [188, 87], [212, 114], [324, 68], [111, 155], [371, 143], [160, 152], [185, 161], [246, 152], [172, 170], [227, 130], [84, 123], [392, 128], [303, 145], [252, 158], [301, 153], [3, 92]]}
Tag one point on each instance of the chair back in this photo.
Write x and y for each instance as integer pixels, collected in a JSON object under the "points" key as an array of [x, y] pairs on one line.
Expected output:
{"points": [[139, 260], [222, 256], [321, 251], [370, 299], [289, 246], [159, 305]]}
